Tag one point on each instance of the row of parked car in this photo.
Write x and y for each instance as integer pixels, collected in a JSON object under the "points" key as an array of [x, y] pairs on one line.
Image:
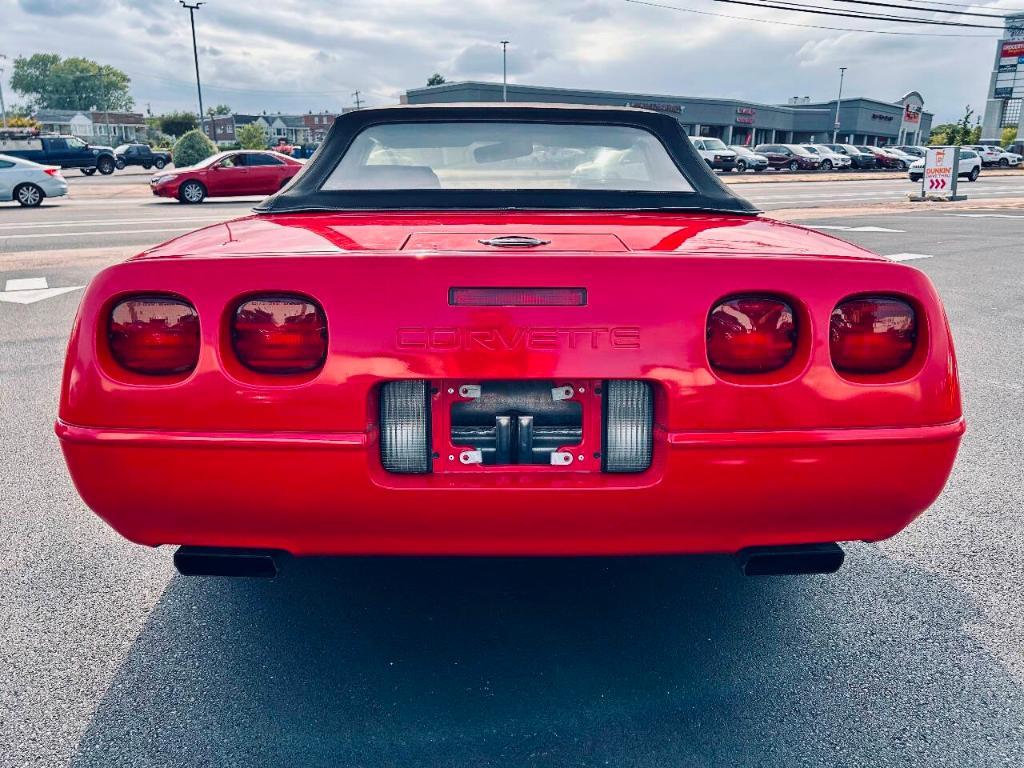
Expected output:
{"points": [[828, 157]]}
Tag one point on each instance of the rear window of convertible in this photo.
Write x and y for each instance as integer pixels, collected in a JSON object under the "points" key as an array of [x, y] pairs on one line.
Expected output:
{"points": [[506, 156]]}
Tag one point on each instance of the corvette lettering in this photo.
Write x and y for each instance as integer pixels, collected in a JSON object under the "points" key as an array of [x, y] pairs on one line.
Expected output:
{"points": [[513, 339]]}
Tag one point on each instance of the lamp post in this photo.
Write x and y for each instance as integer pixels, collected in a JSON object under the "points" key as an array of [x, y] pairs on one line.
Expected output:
{"points": [[3, 108], [504, 70], [192, 8], [839, 100]]}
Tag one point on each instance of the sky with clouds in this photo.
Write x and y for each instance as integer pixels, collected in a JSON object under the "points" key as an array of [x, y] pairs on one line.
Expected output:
{"points": [[296, 56]]}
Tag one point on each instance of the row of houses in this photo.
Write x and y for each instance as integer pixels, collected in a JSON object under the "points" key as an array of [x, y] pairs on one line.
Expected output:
{"points": [[124, 127], [94, 126], [309, 128]]}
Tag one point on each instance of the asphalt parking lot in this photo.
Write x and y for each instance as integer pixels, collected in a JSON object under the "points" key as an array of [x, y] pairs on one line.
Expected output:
{"points": [[913, 654]]}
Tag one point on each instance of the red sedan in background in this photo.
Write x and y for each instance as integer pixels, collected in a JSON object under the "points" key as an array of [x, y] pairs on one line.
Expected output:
{"points": [[885, 159], [227, 174]]}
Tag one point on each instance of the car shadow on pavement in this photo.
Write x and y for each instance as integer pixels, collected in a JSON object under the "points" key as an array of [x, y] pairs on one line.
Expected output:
{"points": [[625, 662]]}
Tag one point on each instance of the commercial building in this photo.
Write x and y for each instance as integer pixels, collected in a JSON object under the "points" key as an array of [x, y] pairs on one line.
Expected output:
{"points": [[860, 120], [1006, 84]]}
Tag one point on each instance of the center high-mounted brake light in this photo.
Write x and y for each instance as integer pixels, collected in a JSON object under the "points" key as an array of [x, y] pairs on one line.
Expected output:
{"points": [[280, 334], [517, 297], [154, 334], [751, 334]]}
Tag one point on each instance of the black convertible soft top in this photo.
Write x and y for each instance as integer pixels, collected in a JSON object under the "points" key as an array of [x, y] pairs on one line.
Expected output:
{"points": [[305, 192]]}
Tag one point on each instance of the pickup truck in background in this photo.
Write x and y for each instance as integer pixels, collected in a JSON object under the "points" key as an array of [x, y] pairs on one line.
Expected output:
{"points": [[141, 154], [63, 151]]}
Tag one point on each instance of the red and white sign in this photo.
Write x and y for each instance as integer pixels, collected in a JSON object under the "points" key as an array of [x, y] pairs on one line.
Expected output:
{"points": [[1013, 48], [939, 169]]}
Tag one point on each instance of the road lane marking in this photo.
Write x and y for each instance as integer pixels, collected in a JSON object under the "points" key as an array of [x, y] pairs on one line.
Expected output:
{"points": [[986, 215], [104, 233], [854, 229], [908, 256], [112, 223]]}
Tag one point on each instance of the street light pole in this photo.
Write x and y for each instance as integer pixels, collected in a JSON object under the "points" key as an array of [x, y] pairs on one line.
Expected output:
{"points": [[3, 107], [192, 8], [504, 70], [839, 100]]}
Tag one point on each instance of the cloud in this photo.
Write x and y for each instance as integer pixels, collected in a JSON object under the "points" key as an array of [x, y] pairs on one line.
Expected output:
{"points": [[484, 60], [296, 55], [57, 7]]}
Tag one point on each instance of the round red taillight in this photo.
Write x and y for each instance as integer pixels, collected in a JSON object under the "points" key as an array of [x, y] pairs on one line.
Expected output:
{"points": [[154, 334], [280, 334], [751, 334], [872, 334]]}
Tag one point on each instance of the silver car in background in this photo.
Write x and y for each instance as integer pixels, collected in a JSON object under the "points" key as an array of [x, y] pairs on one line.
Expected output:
{"points": [[29, 183], [748, 159]]}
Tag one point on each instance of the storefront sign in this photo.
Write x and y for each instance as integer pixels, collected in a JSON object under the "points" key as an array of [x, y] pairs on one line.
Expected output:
{"points": [[656, 106], [1009, 67], [1012, 48], [911, 114], [882, 116], [1003, 93], [746, 111]]}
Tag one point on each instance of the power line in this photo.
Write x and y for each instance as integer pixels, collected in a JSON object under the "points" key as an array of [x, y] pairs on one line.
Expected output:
{"points": [[965, 5], [802, 26], [921, 10], [853, 15]]}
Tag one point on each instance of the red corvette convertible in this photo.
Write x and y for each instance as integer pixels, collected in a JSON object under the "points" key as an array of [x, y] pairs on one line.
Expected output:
{"points": [[227, 174], [508, 330]]}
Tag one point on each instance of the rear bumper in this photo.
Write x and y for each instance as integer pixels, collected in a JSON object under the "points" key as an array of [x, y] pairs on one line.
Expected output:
{"points": [[326, 494]]}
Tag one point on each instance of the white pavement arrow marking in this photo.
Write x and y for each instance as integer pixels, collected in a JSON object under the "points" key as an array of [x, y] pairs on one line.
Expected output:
{"points": [[29, 290], [907, 256]]}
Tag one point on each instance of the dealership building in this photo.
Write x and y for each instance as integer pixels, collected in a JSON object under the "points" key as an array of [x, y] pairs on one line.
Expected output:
{"points": [[860, 121], [1006, 84]]}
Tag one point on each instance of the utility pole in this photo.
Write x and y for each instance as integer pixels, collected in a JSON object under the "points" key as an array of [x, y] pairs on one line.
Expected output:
{"points": [[3, 108], [504, 70], [359, 103], [839, 101], [192, 8]]}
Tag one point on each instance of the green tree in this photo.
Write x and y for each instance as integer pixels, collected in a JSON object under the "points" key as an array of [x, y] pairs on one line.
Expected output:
{"points": [[219, 110], [1008, 136], [191, 148], [51, 82], [940, 134], [436, 79], [159, 140], [177, 123], [252, 136]]}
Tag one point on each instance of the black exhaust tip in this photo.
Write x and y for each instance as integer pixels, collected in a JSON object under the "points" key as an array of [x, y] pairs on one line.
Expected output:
{"points": [[794, 560], [220, 561]]}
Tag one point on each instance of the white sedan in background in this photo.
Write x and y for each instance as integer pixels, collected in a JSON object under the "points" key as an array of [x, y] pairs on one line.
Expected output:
{"points": [[970, 166], [29, 183]]}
